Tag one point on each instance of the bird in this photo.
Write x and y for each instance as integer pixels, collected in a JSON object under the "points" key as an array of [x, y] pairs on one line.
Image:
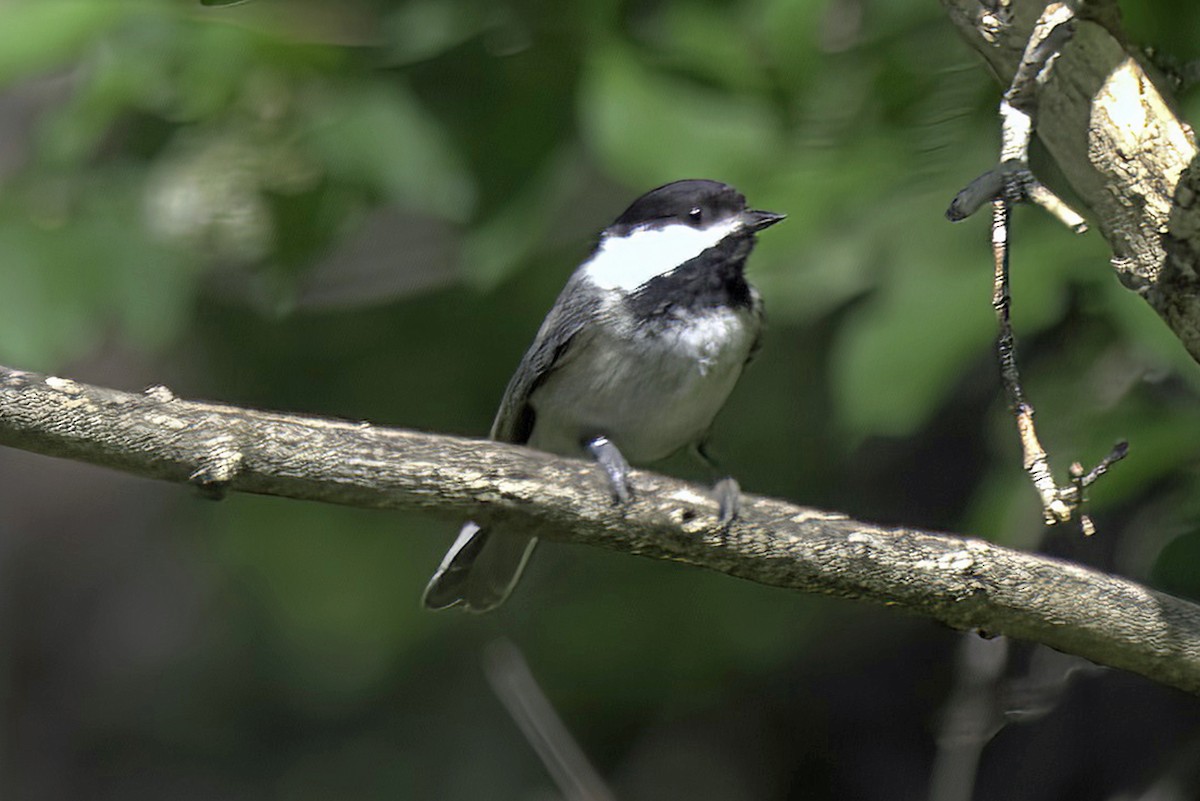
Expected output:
{"points": [[633, 361]]}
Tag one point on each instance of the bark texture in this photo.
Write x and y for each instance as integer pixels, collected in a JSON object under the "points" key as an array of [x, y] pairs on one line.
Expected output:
{"points": [[1109, 122], [964, 582]]}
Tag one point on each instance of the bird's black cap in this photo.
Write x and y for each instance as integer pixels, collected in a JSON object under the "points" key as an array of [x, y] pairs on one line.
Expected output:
{"points": [[693, 201]]}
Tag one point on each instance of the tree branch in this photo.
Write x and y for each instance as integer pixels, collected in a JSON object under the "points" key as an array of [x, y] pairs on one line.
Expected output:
{"points": [[963, 582], [1112, 128]]}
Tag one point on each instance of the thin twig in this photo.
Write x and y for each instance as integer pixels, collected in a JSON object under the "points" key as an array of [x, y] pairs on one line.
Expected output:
{"points": [[511, 679], [1008, 183], [1059, 504], [1018, 119]]}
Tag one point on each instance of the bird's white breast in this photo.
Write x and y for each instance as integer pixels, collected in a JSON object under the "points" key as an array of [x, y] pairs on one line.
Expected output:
{"points": [[651, 392]]}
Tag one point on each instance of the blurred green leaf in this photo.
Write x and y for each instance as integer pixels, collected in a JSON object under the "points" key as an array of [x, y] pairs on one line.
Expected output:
{"points": [[341, 609], [422, 29], [1177, 569], [708, 42], [76, 263], [379, 136], [788, 32], [37, 35], [496, 247], [896, 361], [649, 127]]}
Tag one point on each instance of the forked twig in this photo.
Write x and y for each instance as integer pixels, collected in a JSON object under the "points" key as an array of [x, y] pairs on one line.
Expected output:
{"points": [[1059, 504]]}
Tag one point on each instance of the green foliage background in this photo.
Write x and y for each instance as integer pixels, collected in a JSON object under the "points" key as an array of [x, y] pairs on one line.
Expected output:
{"points": [[363, 209]]}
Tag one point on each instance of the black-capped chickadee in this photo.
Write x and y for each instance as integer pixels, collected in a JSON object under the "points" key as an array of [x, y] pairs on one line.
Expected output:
{"points": [[636, 357]]}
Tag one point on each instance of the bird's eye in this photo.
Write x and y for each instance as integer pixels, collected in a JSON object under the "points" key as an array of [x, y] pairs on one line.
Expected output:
{"points": [[695, 214]]}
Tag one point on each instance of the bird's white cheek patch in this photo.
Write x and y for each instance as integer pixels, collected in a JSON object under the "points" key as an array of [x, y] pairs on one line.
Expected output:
{"points": [[627, 262]]}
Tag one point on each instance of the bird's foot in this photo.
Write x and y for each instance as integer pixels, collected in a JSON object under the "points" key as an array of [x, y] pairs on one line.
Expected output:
{"points": [[616, 469], [728, 496]]}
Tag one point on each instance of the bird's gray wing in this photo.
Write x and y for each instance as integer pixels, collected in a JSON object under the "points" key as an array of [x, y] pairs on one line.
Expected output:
{"points": [[515, 417], [484, 564]]}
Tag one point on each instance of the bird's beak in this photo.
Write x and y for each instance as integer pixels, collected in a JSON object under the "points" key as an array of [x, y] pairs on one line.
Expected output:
{"points": [[757, 220]]}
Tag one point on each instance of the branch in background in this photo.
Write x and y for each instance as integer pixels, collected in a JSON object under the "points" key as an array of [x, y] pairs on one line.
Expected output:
{"points": [[1115, 136], [966, 583], [511, 679], [995, 685], [970, 718]]}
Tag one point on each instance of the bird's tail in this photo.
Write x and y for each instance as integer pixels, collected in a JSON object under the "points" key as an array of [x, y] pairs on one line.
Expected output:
{"points": [[480, 569]]}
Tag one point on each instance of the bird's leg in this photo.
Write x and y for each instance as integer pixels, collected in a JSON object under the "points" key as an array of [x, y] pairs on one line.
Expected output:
{"points": [[614, 465], [726, 491]]}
